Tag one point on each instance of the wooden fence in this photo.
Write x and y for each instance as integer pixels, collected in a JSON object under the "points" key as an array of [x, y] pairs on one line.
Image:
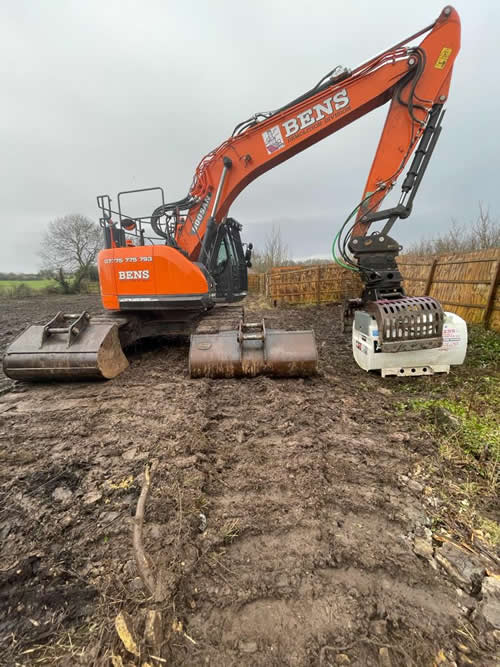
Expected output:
{"points": [[466, 284], [320, 283]]}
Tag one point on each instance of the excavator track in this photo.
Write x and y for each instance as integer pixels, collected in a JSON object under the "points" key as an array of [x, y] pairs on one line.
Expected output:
{"points": [[221, 318]]}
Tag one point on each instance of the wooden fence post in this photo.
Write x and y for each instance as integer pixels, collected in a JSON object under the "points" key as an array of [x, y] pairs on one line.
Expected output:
{"points": [[318, 285], [495, 272], [430, 278]]}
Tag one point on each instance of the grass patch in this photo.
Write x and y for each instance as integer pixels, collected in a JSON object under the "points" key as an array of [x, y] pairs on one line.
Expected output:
{"points": [[461, 414], [476, 431], [463, 408], [23, 289], [231, 531], [484, 348], [32, 284], [490, 530]]}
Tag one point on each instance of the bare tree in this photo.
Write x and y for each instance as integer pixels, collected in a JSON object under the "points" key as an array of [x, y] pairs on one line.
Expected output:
{"points": [[70, 244], [482, 234], [485, 230], [275, 252]]}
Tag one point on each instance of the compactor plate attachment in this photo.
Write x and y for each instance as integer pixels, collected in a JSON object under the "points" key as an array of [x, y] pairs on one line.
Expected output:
{"points": [[251, 350], [70, 346]]}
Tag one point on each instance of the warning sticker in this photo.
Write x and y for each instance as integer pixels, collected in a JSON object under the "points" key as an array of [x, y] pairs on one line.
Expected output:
{"points": [[443, 58], [273, 139], [451, 337]]}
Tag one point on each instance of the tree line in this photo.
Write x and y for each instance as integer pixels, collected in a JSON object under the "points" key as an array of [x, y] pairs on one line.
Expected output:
{"points": [[481, 234], [22, 276]]}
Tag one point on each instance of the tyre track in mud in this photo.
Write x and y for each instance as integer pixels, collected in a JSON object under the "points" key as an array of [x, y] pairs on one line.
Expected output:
{"points": [[309, 530], [324, 546]]}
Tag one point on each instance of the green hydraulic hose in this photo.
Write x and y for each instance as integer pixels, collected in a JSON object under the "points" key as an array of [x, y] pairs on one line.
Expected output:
{"points": [[336, 259]]}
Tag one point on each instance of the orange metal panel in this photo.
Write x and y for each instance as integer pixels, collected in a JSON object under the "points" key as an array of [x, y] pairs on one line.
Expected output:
{"points": [[147, 270]]}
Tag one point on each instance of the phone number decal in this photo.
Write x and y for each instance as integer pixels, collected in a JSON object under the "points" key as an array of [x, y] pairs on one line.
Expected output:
{"points": [[122, 260]]}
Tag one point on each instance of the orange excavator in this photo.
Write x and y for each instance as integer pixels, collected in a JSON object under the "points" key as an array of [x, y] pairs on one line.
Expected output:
{"points": [[179, 269]]}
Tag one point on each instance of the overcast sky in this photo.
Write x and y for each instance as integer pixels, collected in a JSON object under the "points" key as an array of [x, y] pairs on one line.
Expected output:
{"points": [[102, 96]]}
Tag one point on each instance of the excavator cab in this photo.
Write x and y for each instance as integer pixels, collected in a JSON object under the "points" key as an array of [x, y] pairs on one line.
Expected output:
{"points": [[230, 264]]}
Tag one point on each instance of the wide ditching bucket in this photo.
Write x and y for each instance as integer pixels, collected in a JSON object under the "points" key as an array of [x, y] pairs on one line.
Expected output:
{"points": [[253, 350], [69, 347]]}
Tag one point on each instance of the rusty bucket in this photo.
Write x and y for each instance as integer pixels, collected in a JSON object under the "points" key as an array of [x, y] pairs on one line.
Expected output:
{"points": [[253, 350], [69, 347]]}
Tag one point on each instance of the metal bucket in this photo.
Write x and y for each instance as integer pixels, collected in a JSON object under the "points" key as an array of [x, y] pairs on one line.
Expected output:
{"points": [[69, 347], [253, 350]]}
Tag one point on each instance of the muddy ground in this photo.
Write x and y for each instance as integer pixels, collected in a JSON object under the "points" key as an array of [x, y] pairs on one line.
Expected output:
{"points": [[288, 521]]}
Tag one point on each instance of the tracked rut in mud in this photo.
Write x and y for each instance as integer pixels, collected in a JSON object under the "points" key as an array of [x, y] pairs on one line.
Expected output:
{"points": [[278, 518]]}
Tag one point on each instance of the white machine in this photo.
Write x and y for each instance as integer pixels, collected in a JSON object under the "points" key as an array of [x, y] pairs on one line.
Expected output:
{"points": [[368, 347]]}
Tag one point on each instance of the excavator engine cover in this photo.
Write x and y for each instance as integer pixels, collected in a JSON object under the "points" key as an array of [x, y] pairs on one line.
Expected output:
{"points": [[253, 350], [69, 347]]}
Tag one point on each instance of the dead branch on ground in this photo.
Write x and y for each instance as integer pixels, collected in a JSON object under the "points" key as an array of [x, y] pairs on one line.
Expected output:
{"points": [[144, 565]]}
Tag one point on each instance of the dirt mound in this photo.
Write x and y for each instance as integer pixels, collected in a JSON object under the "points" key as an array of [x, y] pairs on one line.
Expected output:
{"points": [[283, 516]]}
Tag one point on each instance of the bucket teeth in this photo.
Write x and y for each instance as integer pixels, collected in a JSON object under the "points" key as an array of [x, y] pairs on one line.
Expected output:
{"points": [[69, 347]]}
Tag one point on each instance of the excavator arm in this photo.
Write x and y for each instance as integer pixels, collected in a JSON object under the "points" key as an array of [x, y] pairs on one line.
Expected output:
{"points": [[415, 79]]}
